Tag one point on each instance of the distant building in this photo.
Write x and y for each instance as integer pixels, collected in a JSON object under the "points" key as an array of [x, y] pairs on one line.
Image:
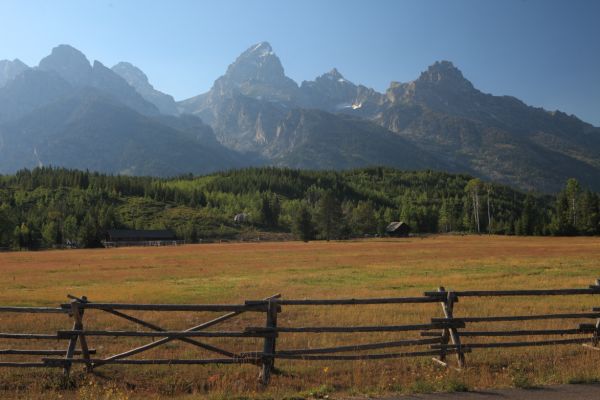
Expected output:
{"points": [[132, 237], [398, 229]]}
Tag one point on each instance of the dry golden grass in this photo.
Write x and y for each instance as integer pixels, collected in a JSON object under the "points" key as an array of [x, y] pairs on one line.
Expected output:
{"points": [[231, 273]]}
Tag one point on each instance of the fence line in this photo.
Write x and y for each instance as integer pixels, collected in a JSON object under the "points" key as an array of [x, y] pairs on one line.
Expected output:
{"points": [[439, 337]]}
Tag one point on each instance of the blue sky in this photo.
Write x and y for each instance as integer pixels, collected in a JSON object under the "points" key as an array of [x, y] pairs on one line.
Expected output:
{"points": [[545, 52]]}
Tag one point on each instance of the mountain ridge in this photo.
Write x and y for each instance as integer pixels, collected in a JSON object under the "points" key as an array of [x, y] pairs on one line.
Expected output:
{"points": [[255, 114], [441, 112]]}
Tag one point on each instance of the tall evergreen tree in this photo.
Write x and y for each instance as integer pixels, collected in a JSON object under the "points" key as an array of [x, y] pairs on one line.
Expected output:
{"points": [[329, 216], [303, 226]]}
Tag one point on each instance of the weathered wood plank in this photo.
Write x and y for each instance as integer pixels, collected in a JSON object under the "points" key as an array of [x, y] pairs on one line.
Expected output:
{"points": [[62, 361], [352, 329], [362, 356], [34, 352], [532, 292], [520, 317], [268, 363], [174, 307], [533, 332], [75, 313], [170, 334], [518, 344], [39, 336], [329, 302], [34, 310], [358, 347], [448, 309], [10, 364]]}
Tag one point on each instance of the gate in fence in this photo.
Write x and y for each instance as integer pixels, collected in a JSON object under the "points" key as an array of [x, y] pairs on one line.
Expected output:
{"points": [[436, 338]]}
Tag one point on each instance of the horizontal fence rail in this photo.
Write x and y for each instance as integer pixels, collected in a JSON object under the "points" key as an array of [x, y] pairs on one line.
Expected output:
{"points": [[172, 307], [437, 338]]}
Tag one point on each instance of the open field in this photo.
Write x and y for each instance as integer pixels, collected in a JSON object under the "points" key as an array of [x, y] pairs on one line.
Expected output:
{"points": [[233, 272]]}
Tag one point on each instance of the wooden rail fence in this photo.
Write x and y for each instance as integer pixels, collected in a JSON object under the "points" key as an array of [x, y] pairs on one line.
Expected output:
{"points": [[437, 338]]}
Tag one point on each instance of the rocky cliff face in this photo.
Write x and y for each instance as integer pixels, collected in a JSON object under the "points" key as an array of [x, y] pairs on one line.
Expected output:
{"points": [[73, 66], [330, 92], [9, 70], [139, 81]]}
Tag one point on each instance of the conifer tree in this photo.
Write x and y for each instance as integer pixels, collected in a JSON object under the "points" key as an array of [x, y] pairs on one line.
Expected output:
{"points": [[303, 225]]}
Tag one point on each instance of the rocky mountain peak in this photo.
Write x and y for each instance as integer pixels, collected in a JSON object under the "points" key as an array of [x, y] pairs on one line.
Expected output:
{"points": [[132, 74], [262, 49], [136, 78], [332, 76], [68, 62], [10, 70], [257, 73], [257, 63], [444, 73]]}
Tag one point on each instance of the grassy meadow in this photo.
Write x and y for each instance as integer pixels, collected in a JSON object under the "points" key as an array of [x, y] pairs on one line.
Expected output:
{"points": [[234, 272]]}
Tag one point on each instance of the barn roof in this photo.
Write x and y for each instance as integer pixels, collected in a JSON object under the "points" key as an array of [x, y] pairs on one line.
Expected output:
{"points": [[133, 234]]}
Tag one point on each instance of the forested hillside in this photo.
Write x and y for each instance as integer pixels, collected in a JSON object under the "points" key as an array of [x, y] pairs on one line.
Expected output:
{"points": [[48, 207]]}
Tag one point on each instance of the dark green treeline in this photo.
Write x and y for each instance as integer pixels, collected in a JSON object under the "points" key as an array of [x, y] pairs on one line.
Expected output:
{"points": [[49, 207]]}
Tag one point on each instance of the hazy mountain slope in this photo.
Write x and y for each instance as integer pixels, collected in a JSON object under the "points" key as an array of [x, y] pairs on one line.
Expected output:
{"points": [[90, 130], [136, 78], [9, 70], [30, 90], [317, 139], [73, 66], [498, 137]]}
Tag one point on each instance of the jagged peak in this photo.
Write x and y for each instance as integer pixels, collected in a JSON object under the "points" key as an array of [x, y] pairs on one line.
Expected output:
{"points": [[70, 63], [19, 62], [257, 63], [443, 72], [68, 53], [15, 62], [11, 69], [130, 72], [261, 49], [335, 75]]}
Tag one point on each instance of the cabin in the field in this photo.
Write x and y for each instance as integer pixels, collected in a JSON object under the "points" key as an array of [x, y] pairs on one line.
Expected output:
{"points": [[397, 229], [134, 237]]}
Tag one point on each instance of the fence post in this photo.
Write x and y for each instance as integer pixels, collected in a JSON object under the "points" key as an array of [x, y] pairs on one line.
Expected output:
{"points": [[268, 360], [596, 336], [77, 314], [448, 308], [445, 335]]}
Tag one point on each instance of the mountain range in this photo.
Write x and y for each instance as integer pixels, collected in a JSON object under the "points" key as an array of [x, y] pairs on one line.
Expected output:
{"points": [[69, 112]]}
